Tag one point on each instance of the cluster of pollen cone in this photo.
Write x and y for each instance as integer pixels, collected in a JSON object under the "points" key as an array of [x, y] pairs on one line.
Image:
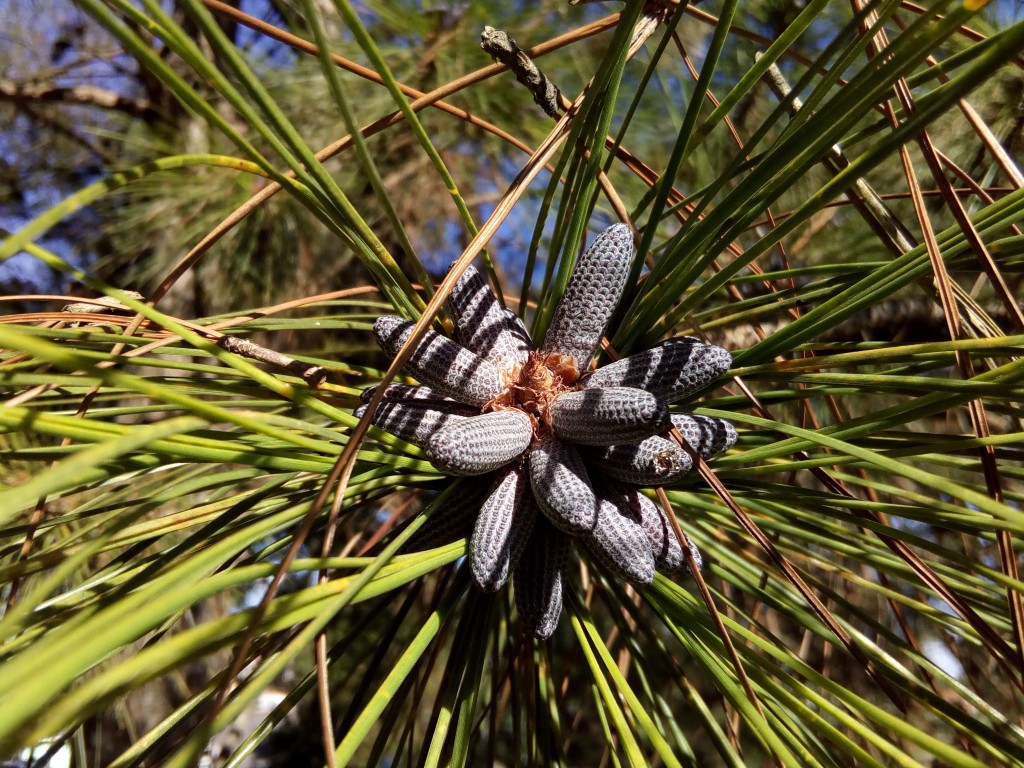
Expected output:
{"points": [[559, 451]]}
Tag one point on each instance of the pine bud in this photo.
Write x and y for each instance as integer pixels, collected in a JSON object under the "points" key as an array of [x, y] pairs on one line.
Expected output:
{"points": [[539, 578], [591, 296], [620, 543], [608, 415], [481, 443], [415, 421], [442, 364], [561, 486], [485, 327], [502, 529], [672, 370]]}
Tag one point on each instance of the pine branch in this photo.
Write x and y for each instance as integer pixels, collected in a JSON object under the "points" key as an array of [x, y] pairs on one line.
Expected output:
{"points": [[89, 95]]}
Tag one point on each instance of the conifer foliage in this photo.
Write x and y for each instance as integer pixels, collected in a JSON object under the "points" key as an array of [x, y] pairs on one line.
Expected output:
{"points": [[714, 458]]}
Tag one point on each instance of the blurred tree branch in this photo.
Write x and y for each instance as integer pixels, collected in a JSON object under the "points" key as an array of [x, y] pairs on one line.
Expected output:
{"points": [[91, 95]]}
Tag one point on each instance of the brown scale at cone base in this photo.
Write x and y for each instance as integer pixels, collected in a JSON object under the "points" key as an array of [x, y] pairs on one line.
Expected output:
{"points": [[535, 385]]}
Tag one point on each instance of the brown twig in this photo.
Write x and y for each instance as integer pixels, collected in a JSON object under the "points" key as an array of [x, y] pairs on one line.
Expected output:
{"points": [[89, 95], [500, 46], [313, 375]]}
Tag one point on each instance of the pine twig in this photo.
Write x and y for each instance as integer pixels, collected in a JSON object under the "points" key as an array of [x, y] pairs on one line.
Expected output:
{"points": [[313, 375], [503, 49]]}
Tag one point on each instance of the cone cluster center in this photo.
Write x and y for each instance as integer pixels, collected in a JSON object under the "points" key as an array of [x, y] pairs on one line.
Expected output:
{"points": [[535, 385]]}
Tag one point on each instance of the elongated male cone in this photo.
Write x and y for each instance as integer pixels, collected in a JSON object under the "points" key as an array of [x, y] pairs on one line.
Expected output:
{"points": [[502, 529], [539, 578], [481, 443], [707, 435], [402, 392], [668, 555], [415, 421], [653, 461], [561, 485], [608, 416], [441, 364], [620, 543], [672, 370], [485, 327], [591, 296]]}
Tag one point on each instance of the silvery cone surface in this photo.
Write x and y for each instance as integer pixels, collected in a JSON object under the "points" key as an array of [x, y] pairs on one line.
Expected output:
{"points": [[558, 451]]}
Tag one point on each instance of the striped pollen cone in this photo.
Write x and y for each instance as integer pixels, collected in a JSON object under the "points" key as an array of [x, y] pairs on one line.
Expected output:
{"points": [[707, 435], [442, 364], [538, 579], [480, 443], [591, 296], [619, 542], [672, 370], [402, 392], [561, 486], [608, 416], [502, 529], [668, 555], [515, 322], [415, 421], [485, 327], [653, 461]]}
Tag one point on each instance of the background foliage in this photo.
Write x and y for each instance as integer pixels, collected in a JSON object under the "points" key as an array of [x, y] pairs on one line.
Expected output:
{"points": [[186, 533]]}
